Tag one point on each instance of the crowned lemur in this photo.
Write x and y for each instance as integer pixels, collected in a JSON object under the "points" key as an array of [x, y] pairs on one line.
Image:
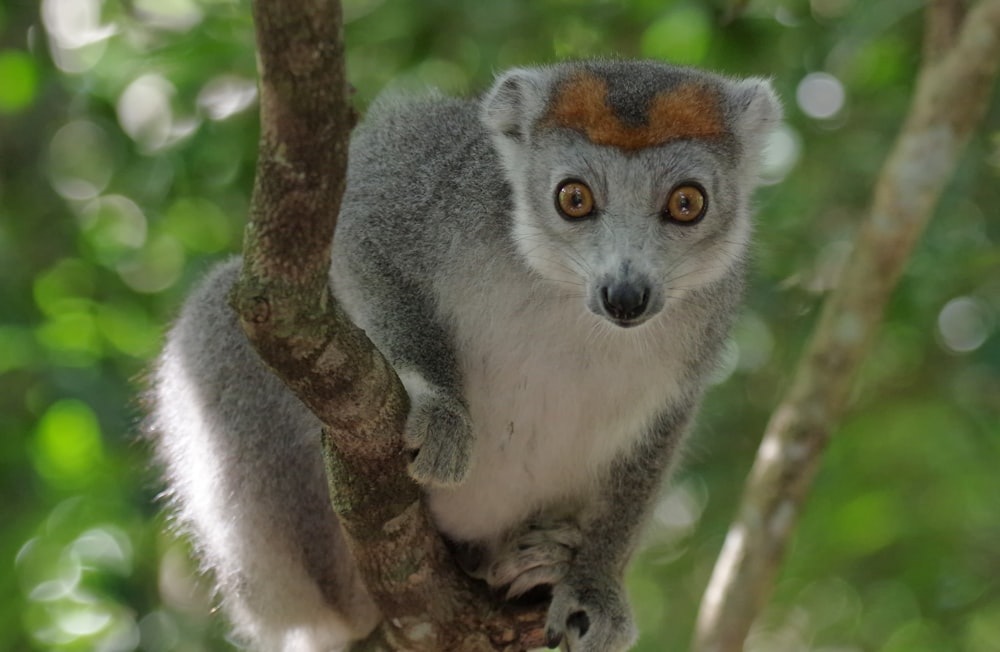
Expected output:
{"points": [[551, 269]]}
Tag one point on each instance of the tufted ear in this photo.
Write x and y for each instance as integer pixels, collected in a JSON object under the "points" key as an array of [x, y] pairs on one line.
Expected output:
{"points": [[754, 110], [513, 102]]}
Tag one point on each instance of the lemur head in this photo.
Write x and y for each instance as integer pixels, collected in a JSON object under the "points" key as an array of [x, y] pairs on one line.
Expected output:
{"points": [[631, 179]]}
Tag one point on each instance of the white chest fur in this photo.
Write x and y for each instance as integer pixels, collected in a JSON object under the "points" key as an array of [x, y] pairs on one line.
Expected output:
{"points": [[554, 393]]}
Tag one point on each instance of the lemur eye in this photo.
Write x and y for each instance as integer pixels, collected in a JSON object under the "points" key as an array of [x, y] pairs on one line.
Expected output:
{"points": [[686, 204], [574, 199]]}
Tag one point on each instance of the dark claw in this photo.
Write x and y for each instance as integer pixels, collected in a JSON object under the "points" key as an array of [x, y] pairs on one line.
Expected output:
{"points": [[469, 556], [541, 594], [578, 621], [552, 639]]}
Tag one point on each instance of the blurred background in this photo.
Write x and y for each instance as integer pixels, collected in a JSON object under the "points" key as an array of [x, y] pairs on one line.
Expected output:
{"points": [[127, 145]]}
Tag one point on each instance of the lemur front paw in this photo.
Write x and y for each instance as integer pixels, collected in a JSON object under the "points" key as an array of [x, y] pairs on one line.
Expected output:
{"points": [[439, 432], [538, 554], [589, 614]]}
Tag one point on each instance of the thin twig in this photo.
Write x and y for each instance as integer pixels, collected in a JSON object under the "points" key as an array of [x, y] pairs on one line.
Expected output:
{"points": [[951, 97]]}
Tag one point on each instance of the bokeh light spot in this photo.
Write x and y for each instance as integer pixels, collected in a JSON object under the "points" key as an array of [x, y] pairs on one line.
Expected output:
{"points": [[80, 164], [77, 38], [113, 225], [226, 95], [156, 267], [173, 15], [83, 620], [106, 547], [144, 111], [75, 23], [820, 95], [782, 152], [964, 324]]}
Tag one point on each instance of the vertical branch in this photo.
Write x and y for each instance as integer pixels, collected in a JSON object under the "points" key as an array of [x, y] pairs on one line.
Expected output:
{"points": [[950, 99], [283, 297], [941, 24], [290, 317], [302, 160]]}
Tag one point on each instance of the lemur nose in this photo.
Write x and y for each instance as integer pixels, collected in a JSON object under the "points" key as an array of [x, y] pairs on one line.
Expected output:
{"points": [[625, 302]]}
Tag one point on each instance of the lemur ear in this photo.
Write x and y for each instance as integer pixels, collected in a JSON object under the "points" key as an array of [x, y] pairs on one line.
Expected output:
{"points": [[754, 110], [509, 107]]}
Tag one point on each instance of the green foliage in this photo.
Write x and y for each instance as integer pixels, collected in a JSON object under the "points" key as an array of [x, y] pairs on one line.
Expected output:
{"points": [[127, 145], [20, 76], [682, 34]]}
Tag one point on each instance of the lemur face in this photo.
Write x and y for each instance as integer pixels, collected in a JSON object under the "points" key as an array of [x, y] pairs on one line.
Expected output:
{"points": [[631, 190]]}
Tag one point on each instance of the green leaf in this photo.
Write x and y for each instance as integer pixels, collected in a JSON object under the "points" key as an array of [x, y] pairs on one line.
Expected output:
{"points": [[66, 286], [67, 447], [682, 35], [18, 81], [199, 224]]}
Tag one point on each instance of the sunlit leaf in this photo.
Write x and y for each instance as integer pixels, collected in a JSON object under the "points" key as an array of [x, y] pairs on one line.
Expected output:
{"points": [[199, 224], [113, 226], [71, 338], [18, 81], [129, 329], [67, 285], [67, 447], [682, 35]]}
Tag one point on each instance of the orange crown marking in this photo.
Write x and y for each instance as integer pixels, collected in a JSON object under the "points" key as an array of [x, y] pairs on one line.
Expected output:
{"points": [[689, 110]]}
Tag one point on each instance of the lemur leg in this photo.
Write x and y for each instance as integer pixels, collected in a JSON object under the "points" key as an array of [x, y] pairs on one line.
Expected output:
{"points": [[589, 610]]}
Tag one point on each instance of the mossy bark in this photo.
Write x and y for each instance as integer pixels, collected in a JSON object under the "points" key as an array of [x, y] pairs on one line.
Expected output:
{"points": [[292, 320]]}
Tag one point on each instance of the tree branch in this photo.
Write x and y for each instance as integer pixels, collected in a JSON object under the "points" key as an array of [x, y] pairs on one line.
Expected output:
{"points": [[290, 317], [951, 97], [941, 24]]}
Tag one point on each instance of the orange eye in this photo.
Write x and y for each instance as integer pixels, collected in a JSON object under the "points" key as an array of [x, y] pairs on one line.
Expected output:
{"points": [[686, 204], [574, 199]]}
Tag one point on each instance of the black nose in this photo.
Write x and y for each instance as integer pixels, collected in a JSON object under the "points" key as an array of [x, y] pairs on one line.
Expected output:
{"points": [[625, 302]]}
